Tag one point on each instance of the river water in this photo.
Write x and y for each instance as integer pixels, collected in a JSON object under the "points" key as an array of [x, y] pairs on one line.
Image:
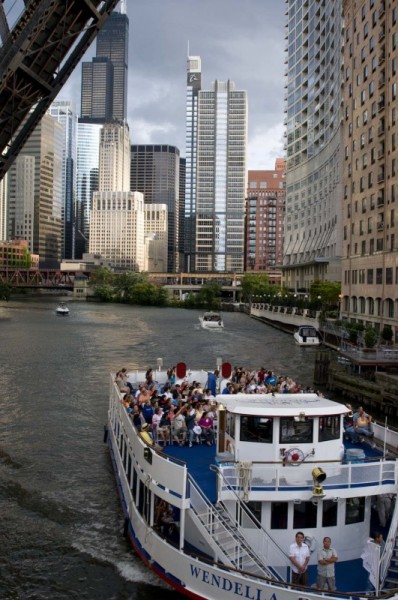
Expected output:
{"points": [[61, 520]]}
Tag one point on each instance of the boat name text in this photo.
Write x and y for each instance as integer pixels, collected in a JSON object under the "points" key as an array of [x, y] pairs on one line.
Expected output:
{"points": [[228, 585]]}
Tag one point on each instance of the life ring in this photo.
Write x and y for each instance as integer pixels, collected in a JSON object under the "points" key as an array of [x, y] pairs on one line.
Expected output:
{"points": [[230, 447], [311, 543], [294, 456]]}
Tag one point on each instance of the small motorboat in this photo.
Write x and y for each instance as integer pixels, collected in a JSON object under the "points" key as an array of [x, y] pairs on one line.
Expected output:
{"points": [[62, 309], [211, 320], [306, 335]]}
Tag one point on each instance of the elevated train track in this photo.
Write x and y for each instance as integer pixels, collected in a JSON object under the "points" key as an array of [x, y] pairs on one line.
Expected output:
{"points": [[37, 55]]}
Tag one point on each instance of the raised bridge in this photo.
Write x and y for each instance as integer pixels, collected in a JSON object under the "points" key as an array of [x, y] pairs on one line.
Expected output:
{"points": [[42, 41]]}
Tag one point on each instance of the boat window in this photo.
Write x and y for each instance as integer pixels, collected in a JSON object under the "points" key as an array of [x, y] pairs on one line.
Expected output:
{"points": [[128, 467], [134, 486], [294, 429], [304, 515], [256, 429], [329, 428], [255, 510], [230, 426], [329, 513], [279, 515], [354, 510]]}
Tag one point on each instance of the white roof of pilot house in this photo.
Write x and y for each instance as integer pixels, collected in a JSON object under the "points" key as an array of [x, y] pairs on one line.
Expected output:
{"points": [[281, 405]]}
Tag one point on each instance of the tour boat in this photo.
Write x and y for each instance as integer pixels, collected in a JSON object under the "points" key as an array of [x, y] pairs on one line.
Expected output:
{"points": [[306, 336], [62, 309], [217, 521], [211, 320]]}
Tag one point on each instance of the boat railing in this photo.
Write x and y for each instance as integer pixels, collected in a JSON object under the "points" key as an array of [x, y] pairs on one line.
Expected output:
{"points": [[389, 546], [255, 534], [226, 538], [277, 477], [170, 481]]}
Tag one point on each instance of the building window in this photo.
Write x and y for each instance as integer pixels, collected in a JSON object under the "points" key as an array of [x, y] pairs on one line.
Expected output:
{"points": [[379, 276], [370, 276], [389, 275]]}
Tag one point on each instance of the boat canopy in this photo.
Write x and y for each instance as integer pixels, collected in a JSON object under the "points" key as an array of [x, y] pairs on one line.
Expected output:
{"points": [[281, 405]]}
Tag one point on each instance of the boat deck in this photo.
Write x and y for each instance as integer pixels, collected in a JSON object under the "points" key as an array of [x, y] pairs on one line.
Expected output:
{"points": [[350, 575]]}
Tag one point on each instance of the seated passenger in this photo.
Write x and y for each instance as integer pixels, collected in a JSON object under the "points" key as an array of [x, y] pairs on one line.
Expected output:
{"points": [[206, 424], [362, 426], [179, 428]]}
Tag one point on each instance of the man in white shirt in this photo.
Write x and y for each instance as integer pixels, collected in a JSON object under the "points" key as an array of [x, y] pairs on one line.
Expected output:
{"points": [[326, 559], [299, 555]]}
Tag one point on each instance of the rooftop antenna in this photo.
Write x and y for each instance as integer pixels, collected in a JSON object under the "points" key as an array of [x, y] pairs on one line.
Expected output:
{"points": [[123, 7], [188, 49]]}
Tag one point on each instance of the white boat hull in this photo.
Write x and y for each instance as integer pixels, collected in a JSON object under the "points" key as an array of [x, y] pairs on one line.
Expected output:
{"points": [[145, 476], [191, 576]]}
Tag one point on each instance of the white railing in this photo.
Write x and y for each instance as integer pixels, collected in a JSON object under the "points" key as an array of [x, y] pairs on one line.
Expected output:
{"points": [[232, 543], [389, 546], [276, 478], [254, 533]]}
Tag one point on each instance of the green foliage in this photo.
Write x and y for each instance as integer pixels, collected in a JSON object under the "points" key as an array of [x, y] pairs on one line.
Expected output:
{"points": [[5, 291], [209, 296], [329, 292], [353, 336], [254, 284], [370, 337], [104, 292], [101, 276], [387, 333]]}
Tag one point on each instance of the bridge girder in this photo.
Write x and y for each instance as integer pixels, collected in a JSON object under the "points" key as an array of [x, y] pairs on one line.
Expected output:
{"points": [[37, 57]]}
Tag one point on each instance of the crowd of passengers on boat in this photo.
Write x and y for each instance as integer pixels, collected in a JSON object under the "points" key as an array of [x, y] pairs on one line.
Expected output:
{"points": [[184, 412]]}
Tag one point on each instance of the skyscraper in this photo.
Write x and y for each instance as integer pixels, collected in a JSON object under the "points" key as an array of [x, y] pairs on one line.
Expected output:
{"points": [[64, 112], [313, 176], [87, 181], [104, 80], [155, 173], [40, 164], [370, 158], [114, 158], [194, 84], [265, 214], [215, 174]]}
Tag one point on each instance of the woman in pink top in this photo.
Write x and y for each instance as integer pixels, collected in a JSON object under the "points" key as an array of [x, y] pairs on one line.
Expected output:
{"points": [[206, 423]]}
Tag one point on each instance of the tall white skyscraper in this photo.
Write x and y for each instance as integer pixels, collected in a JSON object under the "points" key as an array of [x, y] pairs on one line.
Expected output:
{"points": [[117, 229], [117, 215], [215, 175], [114, 158]]}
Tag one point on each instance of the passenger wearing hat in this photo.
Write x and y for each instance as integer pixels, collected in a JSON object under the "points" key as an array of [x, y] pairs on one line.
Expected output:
{"points": [[145, 434]]}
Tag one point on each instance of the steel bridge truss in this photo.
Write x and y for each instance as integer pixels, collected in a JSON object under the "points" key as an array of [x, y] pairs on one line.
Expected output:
{"points": [[36, 58], [45, 278]]}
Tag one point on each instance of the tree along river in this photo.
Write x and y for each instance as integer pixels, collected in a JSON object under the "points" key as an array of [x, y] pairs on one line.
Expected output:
{"points": [[61, 519]]}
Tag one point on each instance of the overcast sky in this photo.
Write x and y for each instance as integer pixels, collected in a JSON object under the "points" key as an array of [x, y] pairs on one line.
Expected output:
{"points": [[241, 40]]}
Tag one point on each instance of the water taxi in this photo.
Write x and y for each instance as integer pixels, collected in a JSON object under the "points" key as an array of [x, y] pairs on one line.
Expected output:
{"points": [[306, 335], [62, 309], [211, 320], [217, 521]]}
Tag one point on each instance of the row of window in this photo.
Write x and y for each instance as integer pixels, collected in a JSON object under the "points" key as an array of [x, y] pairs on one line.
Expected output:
{"points": [[261, 429]]}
